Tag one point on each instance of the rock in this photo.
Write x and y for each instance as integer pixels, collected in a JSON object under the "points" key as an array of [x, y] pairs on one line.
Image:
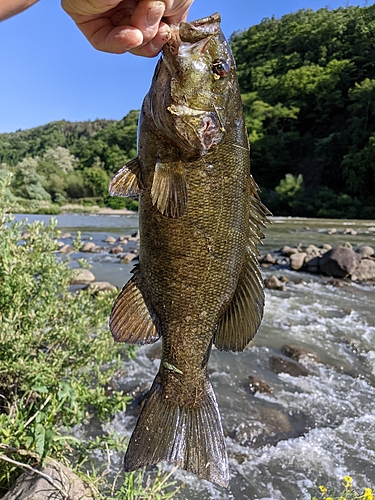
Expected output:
{"points": [[110, 240], [100, 286], [288, 251], [326, 247], [365, 271], [128, 258], [271, 426], [257, 385], [273, 283], [88, 247], [82, 277], [66, 236], [116, 250], [279, 364], [32, 486], [134, 237], [267, 258], [67, 249], [339, 262], [284, 279], [333, 230], [350, 230], [124, 239], [297, 260], [313, 251], [298, 352], [365, 251], [312, 265], [337, 282]]}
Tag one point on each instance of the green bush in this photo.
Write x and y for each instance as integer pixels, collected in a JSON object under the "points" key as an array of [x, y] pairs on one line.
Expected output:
{"points": [[57, 356]]}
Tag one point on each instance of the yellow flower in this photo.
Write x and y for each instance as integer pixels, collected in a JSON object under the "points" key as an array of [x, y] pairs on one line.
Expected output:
{"points": [[348, 479], [323, 489], [329, 498], [367, 494]]}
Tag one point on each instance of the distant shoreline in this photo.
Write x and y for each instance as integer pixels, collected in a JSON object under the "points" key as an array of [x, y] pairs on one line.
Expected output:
{"points": [[95, 209]]}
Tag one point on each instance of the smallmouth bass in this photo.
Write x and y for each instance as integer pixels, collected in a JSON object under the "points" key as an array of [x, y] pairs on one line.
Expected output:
{"points": [[198, 280]]}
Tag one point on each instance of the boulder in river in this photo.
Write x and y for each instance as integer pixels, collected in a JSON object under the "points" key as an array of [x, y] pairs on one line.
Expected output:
{"points": [[297, 260], [82, 277], [298, 352], [273, 283], [128, 258], [116, 250], [100, 286], [110, 240], [280, 364], [365, 251], [365, 271], [339, 262], [88, 247], [255, 384], [68, 249], [62, 484]]}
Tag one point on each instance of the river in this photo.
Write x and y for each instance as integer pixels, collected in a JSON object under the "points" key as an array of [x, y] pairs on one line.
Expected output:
{"points": [[309, 430]]}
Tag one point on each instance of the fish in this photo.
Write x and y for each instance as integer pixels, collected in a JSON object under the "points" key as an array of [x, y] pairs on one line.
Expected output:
{"points": [[198, 283]]}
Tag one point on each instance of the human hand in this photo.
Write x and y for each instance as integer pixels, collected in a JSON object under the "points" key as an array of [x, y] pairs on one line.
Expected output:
{"points": [[129, 25]]}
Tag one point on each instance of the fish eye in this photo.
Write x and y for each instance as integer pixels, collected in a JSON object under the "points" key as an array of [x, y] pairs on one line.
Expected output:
{"points": [[220, 67]]}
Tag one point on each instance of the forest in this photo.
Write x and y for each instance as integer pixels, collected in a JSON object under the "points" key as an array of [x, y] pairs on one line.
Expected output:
{"points": [[308, 88]]}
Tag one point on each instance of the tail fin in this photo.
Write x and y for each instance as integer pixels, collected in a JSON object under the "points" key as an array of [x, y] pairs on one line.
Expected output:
{"points": [[192, 438]]}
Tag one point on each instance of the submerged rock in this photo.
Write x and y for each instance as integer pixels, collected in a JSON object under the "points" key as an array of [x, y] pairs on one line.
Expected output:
{"points": [[255, 385], [273, 283], [298, 352], [279, 364]]}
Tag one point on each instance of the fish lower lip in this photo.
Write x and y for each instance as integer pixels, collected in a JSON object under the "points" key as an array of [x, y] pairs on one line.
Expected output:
{"points": [[182, 110]]}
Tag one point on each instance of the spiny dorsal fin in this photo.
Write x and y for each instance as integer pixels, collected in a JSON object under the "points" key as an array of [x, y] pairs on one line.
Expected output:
{"points": [[126, 182], [132, 318], [241, 320], [169, 191]]}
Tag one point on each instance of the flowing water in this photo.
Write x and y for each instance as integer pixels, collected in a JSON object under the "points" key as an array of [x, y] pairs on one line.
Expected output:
{"points": [[311, 429]]}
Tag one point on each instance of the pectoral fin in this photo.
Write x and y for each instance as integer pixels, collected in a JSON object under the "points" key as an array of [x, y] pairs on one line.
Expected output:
{"points": [[126, 182], [169, 191], [132, 319], [241, 320]]}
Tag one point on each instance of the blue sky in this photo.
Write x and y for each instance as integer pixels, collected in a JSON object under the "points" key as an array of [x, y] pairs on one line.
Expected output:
{"points": [[49, 71]]}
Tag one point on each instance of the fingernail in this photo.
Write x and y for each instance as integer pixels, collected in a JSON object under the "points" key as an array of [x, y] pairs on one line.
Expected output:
{"points": [[155, 13]]}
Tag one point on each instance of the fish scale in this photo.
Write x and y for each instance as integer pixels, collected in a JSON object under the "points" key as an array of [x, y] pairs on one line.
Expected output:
{"points": [[198, 280]]}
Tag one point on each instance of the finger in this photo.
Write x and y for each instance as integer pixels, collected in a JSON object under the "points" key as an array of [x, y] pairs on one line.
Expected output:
{"points": [[177, 12], [103, 36], [154, 46], [147, 16]]}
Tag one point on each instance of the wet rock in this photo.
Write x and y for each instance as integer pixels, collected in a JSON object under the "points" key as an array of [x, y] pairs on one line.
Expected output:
{"points": [[284, 279], [326, 247], [365, 271], [116, 250], [82, 277], [337, 282], [88, 247], [283, 261], [110, 240], [288, 251], [313, 251], [267, 258], [138, 393], [32, 486], [298, 352], [100, 286], [279, 364], [350, 230], [297, 260], [273, 283], [124, 239], [272, 425], [365, 251], [354, 344], [134, 236], [312, 265], [155, 351], [333, 230], [68, 249], [128, 258], [66, 236], [255, 385], [339, 262]]}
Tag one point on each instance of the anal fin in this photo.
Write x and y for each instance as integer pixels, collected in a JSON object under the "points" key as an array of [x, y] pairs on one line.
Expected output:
{"points": [[240, 322], [132, 319], [169, 190], [127, 182]]}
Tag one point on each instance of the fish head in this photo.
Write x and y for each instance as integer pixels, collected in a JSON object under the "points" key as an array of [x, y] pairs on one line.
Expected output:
{"points": [[192, 85]]}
